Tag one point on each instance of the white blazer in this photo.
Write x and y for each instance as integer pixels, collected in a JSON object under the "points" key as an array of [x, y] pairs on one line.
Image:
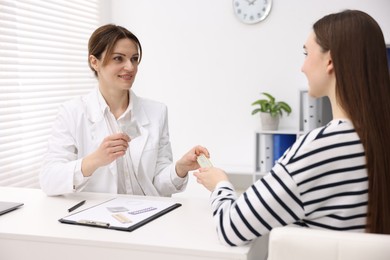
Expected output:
{"points": [[79, 130]]}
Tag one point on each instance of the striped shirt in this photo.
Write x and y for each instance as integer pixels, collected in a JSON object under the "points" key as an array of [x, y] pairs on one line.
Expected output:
{"points": [[320, 182]]}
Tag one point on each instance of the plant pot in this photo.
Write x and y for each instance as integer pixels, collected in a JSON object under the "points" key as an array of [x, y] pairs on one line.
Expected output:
{"points": [[269, 122]]}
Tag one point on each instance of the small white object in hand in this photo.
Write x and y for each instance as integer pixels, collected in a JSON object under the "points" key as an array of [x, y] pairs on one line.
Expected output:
{"points": [[203, 161], [131, 129]]}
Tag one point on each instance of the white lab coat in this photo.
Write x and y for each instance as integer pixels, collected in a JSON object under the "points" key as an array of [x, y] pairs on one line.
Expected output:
{"points": [[79, 130]]}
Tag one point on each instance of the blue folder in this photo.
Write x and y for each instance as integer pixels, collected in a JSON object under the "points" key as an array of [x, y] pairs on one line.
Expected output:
{"points": [[281, 143]]}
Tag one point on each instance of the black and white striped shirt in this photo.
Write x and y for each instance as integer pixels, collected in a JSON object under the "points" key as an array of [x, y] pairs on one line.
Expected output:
{"points": [[320, 182]]}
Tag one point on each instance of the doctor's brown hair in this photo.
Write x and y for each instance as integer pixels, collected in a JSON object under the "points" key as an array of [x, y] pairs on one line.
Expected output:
{"points": [[358, 52], [104, 38]]}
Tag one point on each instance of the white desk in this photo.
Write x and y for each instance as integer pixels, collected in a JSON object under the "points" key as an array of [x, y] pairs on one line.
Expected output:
{"points": [[188, 232]]}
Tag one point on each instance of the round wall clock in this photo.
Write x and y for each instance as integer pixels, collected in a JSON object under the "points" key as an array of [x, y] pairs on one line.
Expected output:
{"points": [[251, 11]]}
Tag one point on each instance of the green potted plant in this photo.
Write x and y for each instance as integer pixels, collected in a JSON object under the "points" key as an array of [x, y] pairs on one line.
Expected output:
{"points": [[270, 110]]}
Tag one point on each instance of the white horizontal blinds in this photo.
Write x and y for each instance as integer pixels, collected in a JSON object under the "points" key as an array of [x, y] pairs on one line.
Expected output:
{"points": [[43, 62]]}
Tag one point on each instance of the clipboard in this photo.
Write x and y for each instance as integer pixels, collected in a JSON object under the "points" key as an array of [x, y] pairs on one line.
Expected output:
{"points": [[7, 206], [122, 213]]}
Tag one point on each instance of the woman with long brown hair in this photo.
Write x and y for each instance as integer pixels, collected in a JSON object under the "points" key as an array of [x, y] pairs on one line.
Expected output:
{"points": [[358, 51], [336, 177]]}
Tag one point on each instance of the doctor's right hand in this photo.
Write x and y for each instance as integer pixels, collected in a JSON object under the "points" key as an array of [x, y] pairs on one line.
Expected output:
{"points": [[112, 147]]}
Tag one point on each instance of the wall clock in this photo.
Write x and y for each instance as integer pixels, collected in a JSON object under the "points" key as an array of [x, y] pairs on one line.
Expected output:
{"points": [[252, 11]]}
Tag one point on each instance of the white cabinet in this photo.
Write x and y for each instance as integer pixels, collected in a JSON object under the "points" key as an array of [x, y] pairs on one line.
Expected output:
{"points": [[265, 149], [270, 145]]}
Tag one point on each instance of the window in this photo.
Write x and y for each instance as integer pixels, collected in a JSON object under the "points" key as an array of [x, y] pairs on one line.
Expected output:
{"points": [[43, 62]]}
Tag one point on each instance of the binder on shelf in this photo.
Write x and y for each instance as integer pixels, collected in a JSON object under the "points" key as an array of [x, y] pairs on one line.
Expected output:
{"points": [[315, 112], [324, 111], [309, 107], [281, 142], [122, 213], [266, 152]]}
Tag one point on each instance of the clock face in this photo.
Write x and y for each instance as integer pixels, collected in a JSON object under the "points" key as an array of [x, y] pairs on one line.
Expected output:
{"points": [[251, 11]]}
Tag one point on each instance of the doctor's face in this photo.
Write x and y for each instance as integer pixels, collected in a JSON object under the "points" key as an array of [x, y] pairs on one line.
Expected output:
{"points": [[122, 66], [317, 67]]}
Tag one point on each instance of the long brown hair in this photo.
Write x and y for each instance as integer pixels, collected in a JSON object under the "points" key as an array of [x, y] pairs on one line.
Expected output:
{"points": [[105, 37], [358, 52]]}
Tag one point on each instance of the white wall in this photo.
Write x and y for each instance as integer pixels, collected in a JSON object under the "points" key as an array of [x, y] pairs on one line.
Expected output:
{"points": [[208, 67]]}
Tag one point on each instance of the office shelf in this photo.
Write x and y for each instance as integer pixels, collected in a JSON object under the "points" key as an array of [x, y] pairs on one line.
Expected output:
{"points": [[313, 113]]}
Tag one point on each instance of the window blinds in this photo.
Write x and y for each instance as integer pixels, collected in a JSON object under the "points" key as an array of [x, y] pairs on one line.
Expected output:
{"points": [[43, 62]]}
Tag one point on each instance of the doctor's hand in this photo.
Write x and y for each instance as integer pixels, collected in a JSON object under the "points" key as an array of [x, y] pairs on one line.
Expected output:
{"points": [[210, 177], [188, 162], [112, 147]]}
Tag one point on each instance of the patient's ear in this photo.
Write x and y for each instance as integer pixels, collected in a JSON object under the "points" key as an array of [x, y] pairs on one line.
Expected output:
{"points": [[329, 67]]}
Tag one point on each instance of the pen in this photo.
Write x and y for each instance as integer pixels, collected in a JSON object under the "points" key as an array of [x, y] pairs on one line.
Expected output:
{"points": [[76, 206], [93, 223]]}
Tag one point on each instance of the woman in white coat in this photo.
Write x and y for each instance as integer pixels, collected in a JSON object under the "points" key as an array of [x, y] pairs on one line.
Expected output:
{"points": [[111, 140]]}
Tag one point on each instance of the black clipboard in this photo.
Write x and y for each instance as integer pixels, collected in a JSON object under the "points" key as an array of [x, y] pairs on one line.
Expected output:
{"points": [[105, 215]]}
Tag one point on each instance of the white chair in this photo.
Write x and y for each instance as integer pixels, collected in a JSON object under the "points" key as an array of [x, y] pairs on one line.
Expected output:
{"points": [[290, 243]]}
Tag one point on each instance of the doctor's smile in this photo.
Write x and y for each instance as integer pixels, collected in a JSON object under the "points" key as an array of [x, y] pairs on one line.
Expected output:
{"points": [[126, 77]]}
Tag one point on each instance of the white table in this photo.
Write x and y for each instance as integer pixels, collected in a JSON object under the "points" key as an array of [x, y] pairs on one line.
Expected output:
{"points": [[188, 232]]}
